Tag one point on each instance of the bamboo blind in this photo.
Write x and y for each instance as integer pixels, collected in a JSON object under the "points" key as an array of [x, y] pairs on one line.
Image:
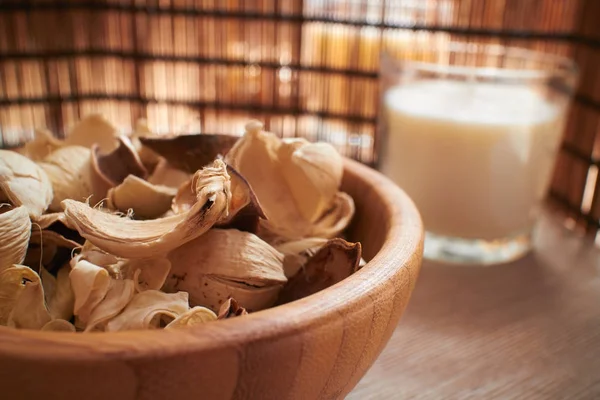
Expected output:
{"points": [[304, 67]]}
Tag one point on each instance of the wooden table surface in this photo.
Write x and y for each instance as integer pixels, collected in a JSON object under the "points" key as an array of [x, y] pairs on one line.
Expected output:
{"points": [[525, 330]]}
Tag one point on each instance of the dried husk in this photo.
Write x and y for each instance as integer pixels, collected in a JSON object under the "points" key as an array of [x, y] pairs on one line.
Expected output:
{"points": [[93, 129], [148, 157], [194, 316], [227, 263], [24, 183], [22, 299], [147, 274], [334, 262], [73, 176], [231, 309], [90, 284], [148, 309], [46, 220], [59, 325], [297, 253], [113, 167], [15, 230], [166, 175], [58, 294], [147, 201], [119, 294], [151, 238], [42, 144]]}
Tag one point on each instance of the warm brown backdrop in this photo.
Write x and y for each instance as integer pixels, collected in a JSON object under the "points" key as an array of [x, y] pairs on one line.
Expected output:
{"points": [[305, 67]]}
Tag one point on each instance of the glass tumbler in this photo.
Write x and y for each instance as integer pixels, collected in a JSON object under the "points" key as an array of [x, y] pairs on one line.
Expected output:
{"points": [[472, 137]]}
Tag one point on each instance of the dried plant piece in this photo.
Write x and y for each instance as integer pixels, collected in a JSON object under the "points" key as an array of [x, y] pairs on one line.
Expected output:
{"points": [[58, 293], [120, 293], [194, 316], [92, 130], [166, 175], [46, 220], [334, 262], [190, 152], [42, 144], [148, 309], [59, 325], [147, 274], [151, 238], [231, 309], [73, 177], [147, 201], [121, 162], [22, 299], [24, 183], [297, 253], [15, 230], [90, 284], [148, 157], [225, 263]]}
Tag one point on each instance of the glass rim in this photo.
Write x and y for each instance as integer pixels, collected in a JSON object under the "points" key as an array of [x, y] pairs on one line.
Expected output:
{"points": [[551, 64]]}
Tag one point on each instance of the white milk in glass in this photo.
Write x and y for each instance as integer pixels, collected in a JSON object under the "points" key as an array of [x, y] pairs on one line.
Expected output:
{"points": [[476, 158]]}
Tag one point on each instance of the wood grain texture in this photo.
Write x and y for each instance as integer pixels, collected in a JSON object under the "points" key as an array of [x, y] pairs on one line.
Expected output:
{"points": [[525, 330], [315, 348]]}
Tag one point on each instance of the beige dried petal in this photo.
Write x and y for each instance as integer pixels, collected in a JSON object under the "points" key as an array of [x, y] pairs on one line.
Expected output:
{"points": [[114, 166], [227, 263], [147, 201], [59, 325], [147, 274], [58, 293], [151, 238], [231, 309], [24, 183], [22, 299], [43, 144], [167, 175], [298, 252], [73, 176], [46, 220], [90, 284], [147, 309], [15, 230], [120, 293], [93, 129], [194, 316]]}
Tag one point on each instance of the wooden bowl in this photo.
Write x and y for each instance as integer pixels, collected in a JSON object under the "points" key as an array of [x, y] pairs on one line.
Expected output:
{"points": [[317, 347]]}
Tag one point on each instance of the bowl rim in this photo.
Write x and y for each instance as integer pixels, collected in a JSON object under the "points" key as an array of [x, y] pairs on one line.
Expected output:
{"points": [[402, 244]]}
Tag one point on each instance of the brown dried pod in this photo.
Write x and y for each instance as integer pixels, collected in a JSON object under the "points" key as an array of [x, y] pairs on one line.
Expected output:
{"points": [[151, 238], [24, 183], [15, 231], [225, 263], [231, 309], [121, 162], [190, 152], [93, 129], [147, 201], [334, 262]]}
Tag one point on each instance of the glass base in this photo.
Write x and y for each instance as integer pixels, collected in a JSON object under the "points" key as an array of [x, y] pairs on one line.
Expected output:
{"points": [[475, 251]]}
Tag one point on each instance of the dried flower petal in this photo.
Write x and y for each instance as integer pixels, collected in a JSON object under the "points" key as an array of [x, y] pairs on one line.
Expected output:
{"points": [[24, 183], [194, 316], [59, 325], [115, 166], [146, 239], [147, 201], [166, 175], [120, 293], [90, 284], [92, 130], [147, 309], [231, 309]]}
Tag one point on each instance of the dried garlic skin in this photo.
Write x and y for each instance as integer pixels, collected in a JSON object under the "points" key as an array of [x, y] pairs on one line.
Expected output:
{"points": [[298, 252], [166, 175], [147, 273], [58, 294], [147, 309], [225, 263], [119, 294], [90, 284], [152, 238], [147, 201], [24, 183], [15, 231], [73, 176], [194, 316], [113, 167], [231, 309], [43, 144], [93, 129]]}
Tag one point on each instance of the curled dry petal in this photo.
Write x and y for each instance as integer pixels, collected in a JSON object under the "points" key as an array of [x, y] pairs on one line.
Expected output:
{"points": [[146, 239], [147, 201], [46, 220], [148, 309], [297, 253], [147, 274], [58, 293], [92, 130], [15, 230], [72, 176], [59, 325], [42, 144], [90, 284], [335, 261], [167, 175], [231, 309], [227, 263], [190, 152], [120, 292], [24, 183], [22, 299], [115, 166], [194, 316]]}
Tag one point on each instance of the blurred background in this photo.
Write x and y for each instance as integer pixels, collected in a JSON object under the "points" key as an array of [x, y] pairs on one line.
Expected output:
{"points": [[306, 68]]}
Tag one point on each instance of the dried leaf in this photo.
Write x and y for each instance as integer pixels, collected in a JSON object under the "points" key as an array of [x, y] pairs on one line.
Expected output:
{"points": [[194, 316], [15, 230], [231, 309], [24, 183], [90, 284], [120, 293], [334, 262], [59, 325], [121, 162], [146, 239], [166, 175], [190, 152], [92, 130], [147, 201], [227, 263], [148, 309]]}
